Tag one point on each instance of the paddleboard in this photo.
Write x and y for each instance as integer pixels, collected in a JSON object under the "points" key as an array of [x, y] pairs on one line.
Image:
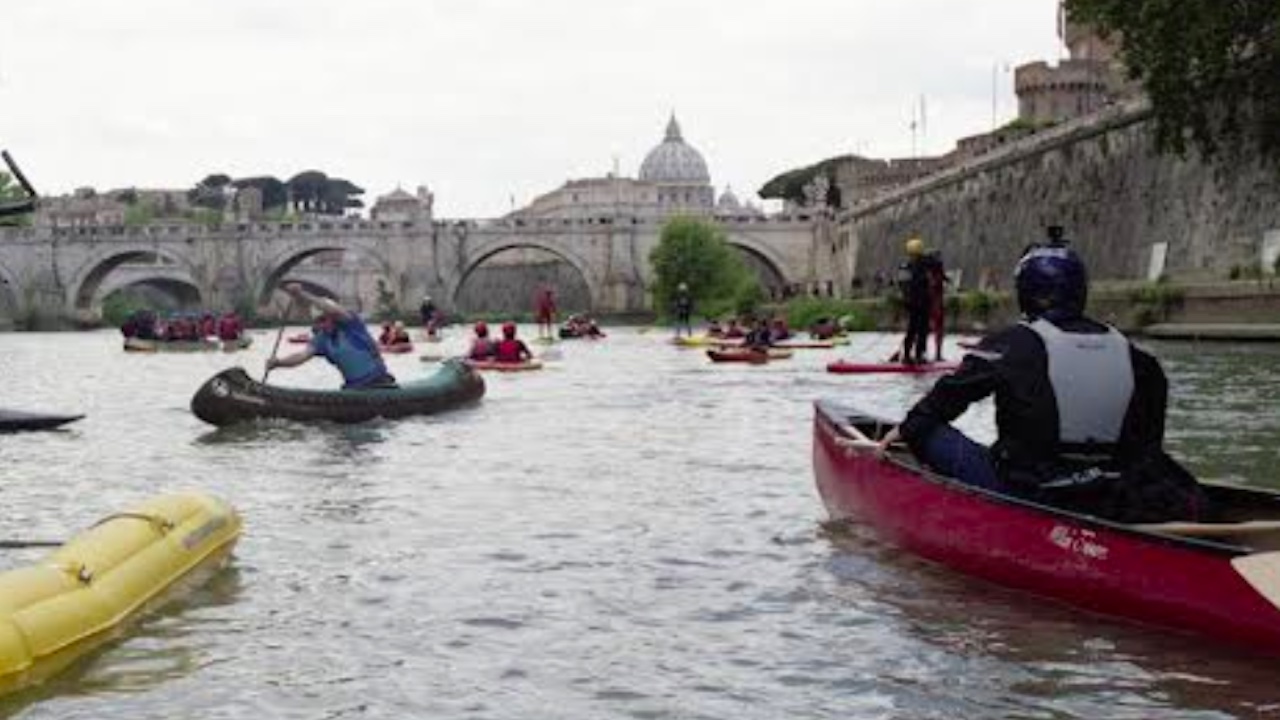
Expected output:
{"points": [[844, 367]]}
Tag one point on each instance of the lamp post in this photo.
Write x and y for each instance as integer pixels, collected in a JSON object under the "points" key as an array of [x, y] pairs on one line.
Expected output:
{"points": [[996, 68]]}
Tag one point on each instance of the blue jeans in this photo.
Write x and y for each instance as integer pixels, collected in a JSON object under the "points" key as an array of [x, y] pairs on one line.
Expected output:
{"points": [[951, 453]]}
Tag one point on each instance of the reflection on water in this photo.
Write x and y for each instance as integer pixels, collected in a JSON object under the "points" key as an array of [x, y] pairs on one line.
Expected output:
{"points": [[632, 532]]}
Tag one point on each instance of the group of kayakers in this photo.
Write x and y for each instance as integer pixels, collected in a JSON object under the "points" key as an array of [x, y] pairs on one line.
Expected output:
{"points": [[1079, 409], [195, 327], [581, 326], [394, 333], [508, 349], [763, 329]]}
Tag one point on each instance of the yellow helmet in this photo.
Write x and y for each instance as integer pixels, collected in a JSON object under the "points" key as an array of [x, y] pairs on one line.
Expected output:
{"points": [[915, 246]]}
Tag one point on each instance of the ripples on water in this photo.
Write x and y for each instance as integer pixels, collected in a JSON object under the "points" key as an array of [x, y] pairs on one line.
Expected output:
{"points": [[632, 533]]}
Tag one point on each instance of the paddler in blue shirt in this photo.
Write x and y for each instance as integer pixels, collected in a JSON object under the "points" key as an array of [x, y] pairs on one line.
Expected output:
{"points": [[340, 337]]}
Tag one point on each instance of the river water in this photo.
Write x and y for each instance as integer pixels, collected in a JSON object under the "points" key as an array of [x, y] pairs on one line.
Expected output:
{"points": [[631, 533]]}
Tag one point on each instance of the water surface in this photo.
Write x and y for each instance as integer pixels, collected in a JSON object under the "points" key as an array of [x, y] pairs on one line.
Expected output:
{"points": [[632, 533]]}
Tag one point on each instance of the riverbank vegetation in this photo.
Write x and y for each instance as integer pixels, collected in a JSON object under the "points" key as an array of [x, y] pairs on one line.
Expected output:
{"points": [[695, 253]]}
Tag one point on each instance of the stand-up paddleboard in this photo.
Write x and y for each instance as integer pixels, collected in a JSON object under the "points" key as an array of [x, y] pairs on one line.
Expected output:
{"points": [[17, 421], [845, 367]]}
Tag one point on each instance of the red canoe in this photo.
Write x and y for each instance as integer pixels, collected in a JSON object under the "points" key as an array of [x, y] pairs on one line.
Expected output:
{"points": [[845, 367], [1213, 579]]}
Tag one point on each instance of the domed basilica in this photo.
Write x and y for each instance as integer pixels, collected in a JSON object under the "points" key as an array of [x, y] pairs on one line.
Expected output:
{"points": [[673, 180]]}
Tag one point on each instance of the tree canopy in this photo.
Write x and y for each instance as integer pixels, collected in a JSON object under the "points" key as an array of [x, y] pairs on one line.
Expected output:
{"points": [[11, 191], [313, 191], [790, 185], [695, 252], [1210, 67]]}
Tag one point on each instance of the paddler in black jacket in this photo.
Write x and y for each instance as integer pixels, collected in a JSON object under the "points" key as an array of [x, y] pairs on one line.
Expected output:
{"points": [[1080, 410], [913, 281]]}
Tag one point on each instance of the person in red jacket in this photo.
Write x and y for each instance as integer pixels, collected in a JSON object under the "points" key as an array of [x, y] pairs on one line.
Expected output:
{"points": [[511, 349], [482, 347], [546, 312]]}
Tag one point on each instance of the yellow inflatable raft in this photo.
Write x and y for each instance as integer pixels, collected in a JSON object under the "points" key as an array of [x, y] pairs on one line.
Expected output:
{"points": [[54, 612]]}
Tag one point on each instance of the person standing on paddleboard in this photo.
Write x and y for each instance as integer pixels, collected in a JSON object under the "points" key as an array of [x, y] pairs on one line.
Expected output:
{"points": [[545, 309], [683, 307], [1080, 411], [913, 281], [339, 336]]}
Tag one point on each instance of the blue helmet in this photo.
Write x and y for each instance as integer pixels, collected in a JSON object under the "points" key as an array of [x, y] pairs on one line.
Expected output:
{"points": [[1051, 280]]}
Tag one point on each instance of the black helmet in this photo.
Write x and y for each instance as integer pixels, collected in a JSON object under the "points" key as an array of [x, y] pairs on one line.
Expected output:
{"points": [[1051, 280]]}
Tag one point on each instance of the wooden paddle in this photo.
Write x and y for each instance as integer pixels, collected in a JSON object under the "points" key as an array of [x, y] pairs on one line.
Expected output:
{"points": [[279, 336], [1262, 572], [23, 544]]}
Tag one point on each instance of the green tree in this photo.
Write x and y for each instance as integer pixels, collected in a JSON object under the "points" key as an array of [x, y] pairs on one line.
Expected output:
{"points": [[274, 193], [11, 191], [695, 252], [210, 193], [1211, 67], [790, 185]]}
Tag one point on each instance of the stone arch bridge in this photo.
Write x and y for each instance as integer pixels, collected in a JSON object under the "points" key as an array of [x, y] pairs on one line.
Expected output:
{"points": [[63, 273]]}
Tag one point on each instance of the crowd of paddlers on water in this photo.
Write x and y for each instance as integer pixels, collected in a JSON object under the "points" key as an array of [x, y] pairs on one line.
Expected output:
{"points": [[182, 327]]}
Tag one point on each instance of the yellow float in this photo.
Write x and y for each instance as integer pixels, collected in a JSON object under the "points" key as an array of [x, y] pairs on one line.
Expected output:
{"points": [[82, 594]]}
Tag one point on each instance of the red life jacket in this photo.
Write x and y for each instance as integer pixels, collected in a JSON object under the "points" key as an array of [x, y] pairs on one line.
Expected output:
{"points": [[481, 349], [509, 351]]}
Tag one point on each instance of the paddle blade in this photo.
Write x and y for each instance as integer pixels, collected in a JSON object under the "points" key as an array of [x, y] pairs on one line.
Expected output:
{"points": [[1262, 572]]}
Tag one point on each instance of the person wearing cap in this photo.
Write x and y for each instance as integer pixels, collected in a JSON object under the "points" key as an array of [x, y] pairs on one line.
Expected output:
{"points": [[913, 282], [1080, 410], [340, 337], [511, 349]]}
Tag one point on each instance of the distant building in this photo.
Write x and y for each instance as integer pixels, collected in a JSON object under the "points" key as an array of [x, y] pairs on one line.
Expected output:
{"points": [[673, 179], [1092, 78], [400, 206], [83, 208]]}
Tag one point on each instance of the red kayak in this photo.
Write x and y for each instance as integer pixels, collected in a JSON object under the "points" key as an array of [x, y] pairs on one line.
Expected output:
{"points": [[805, 344], [506, 366], [738, 356], [1213, 579], [845, 367], [300, 338], [396, 349]]}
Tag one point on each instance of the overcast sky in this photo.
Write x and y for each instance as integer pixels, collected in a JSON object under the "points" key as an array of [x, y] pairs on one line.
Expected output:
{"points": [[485, 100]]}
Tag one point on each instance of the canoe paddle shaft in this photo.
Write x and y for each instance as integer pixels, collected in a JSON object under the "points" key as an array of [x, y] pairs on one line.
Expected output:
{"points": [[279, 336]]}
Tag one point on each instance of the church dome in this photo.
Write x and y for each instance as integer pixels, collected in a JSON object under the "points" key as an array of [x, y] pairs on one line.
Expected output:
{"points": [[675, 161], [728, 201]]}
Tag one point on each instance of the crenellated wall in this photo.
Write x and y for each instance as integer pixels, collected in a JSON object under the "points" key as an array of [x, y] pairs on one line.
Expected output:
{"points": [[1101, 178]]}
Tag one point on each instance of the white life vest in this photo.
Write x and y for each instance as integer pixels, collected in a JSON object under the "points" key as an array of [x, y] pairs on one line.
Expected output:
{"points": [[1092, 379]]}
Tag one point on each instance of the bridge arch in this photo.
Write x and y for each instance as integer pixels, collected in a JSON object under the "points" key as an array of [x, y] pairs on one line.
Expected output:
{"points": [[276, 270], [171, 280], [496, 247], [87, 281], [766, 260]]}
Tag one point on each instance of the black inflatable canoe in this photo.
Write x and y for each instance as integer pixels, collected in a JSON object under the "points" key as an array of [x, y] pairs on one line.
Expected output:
{"points": [[232, 396], [18, 421]]}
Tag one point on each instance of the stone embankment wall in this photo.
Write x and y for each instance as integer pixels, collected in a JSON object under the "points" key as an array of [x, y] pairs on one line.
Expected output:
{"points": [[1101, 178]]}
